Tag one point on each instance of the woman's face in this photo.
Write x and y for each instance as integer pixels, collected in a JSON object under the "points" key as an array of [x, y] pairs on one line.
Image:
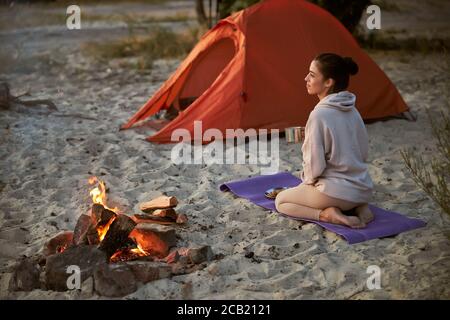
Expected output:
{"points": [[315, 82]]}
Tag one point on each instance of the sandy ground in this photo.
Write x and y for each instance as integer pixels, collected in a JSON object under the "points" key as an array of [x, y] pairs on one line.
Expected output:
{"points": [[47, 159]]}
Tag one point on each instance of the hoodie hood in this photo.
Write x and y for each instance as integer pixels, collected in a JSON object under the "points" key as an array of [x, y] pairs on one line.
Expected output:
{"points": [[343, 101]]}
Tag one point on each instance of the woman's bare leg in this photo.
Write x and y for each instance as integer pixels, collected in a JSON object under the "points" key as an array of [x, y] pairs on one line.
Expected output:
{"points": [[335, 215], [298, 210], [364, 213], [304, 201]]}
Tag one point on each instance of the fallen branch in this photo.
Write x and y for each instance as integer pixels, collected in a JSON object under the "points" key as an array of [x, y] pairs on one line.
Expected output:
{"points": [[32, 103], [73, 115], [6, 99]]}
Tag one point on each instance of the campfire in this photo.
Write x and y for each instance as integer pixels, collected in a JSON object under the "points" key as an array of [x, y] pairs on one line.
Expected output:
{"points": [[111, 231], [114, 251]]}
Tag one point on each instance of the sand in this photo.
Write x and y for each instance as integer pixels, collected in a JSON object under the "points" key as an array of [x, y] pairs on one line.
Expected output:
{"points": [[46, 160]]}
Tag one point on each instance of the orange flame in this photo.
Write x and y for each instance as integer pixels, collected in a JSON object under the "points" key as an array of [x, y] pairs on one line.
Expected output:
{"points": [[102, 230], [137, 251], [99, 193], [115, 255], [141, 252]]}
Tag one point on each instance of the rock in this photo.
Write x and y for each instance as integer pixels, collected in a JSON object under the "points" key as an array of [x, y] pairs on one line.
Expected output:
{"points": [[146, 271], [181, 218], [114, 280], [179, 268], [87, 288], [172, 257], [200, 254], [184, 260], [154, 239], [249, 254], [25, 276], [87, 258], [58, 243]]}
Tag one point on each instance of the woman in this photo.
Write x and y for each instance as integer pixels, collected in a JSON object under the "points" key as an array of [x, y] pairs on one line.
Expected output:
{"points": [[335, 176]]}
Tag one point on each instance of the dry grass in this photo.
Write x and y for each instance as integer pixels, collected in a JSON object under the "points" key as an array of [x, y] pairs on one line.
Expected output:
{"points": [[21, 21], [432, 174], [65, 3], [162, 43], [43, 14], [388, 41], [387, 5]]}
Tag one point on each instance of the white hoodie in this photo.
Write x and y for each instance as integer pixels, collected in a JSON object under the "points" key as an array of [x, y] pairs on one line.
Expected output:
{"points": [[335, 149]]}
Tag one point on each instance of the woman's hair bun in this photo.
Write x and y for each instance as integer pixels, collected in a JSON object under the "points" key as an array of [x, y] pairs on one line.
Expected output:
{"points": [[351, 66]]}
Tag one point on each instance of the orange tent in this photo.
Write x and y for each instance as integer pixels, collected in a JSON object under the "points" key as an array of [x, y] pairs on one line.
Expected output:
{"points": [[248, 72]]}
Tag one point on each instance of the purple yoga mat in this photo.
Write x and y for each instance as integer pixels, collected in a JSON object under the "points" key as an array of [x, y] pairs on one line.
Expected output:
{"points": [[386, 223]]}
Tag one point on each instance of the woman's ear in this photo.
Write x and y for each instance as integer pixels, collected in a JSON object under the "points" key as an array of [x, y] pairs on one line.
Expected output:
{"points": [[329, 83]]}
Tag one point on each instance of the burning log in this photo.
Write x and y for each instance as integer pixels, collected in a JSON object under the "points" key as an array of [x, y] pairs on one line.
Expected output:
{"points": [[163, 202], [117, 234], [92, 236], [91, 229], [123, 255], [100, 215], [127, 252], [154, 239], [107, 268], [102, 219], [81, 229], [85, 231]]}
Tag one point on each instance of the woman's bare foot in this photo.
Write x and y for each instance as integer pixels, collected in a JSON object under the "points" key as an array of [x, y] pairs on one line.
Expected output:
{"points": [[364, 213], [335, 215]]}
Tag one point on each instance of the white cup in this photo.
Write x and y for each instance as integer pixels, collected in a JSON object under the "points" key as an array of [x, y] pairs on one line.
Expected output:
{"points": [[295, 134]]}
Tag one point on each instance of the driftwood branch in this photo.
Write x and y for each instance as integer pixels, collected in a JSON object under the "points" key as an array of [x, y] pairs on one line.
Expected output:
{"points": [[73, 115], [7, 99]]}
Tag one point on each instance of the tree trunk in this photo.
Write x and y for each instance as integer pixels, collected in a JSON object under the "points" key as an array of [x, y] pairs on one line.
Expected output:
{"points": [[200, 10], [348, 12]]}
